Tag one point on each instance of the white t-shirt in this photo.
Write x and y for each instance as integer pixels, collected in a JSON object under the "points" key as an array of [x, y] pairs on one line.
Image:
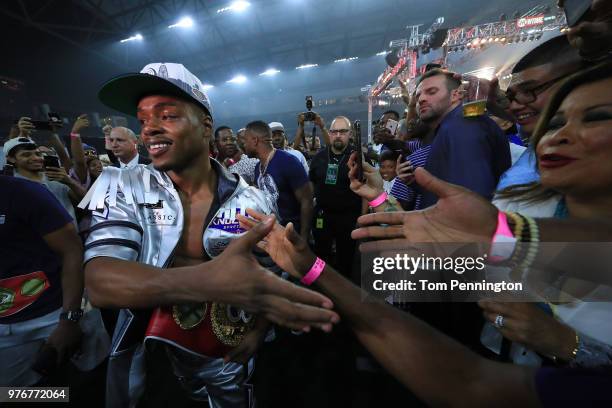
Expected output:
{"points": [[299, 156], [60, 191]]}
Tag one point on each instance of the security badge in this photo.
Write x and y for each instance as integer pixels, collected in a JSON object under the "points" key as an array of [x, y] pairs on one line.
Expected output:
{"points": [[332, 174]]}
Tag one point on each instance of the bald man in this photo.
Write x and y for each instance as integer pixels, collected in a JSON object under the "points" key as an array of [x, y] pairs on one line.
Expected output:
{"points": [[337, 206], [124, 146]]}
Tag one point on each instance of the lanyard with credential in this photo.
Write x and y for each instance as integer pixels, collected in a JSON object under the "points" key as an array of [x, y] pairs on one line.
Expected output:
{"points": [[331, 176]]}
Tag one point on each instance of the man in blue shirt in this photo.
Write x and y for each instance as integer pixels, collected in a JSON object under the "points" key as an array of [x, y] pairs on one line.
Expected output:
{"points": [[471, 152], [41, 279], [281, 176]]}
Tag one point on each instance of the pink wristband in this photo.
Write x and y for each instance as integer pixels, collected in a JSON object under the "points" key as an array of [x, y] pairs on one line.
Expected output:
{"points": [[378, 200], [503, 241], [72, 134], [314, 272]]}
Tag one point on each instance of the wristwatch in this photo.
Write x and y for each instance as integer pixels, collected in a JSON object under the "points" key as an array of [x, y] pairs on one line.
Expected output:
{"points": [[72, 315]]}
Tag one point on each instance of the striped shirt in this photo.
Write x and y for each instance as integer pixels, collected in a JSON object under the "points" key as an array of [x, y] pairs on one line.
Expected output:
{"points": [[408, 194], [245, 167]]}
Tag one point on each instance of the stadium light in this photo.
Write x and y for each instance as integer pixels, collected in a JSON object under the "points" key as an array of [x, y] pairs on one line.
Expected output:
{"points": [[206, 87], [136, 37], [270, 72], [380, 54], [306, 66], [184, 22], [238, 79], [235, 6], [346, 59]]}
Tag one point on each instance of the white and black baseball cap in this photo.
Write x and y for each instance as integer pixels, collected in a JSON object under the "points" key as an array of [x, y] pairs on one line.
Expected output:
{"points": [[276, 126], [123, 93], [18, 141]]}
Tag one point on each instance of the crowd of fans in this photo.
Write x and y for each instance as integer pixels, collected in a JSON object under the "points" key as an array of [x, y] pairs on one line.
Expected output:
{"points": [[118, 270]]}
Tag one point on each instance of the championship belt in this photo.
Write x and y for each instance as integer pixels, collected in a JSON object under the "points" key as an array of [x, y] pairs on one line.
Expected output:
{"points": [[19, 292], [210, 330]]}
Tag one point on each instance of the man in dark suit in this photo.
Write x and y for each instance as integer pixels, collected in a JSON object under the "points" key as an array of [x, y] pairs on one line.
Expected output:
{"points": [[124, 148]]}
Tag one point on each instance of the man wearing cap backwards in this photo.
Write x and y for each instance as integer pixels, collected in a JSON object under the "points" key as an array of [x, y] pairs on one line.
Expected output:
{"points": [[279, 141], [160, 240]]}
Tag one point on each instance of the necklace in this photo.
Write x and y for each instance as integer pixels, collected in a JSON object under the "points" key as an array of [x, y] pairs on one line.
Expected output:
{"points": [[268, 159], [332, 156]]}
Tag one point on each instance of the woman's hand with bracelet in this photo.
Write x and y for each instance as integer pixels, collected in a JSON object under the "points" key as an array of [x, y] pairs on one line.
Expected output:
{"points": [[530, 325], [284, 245]]}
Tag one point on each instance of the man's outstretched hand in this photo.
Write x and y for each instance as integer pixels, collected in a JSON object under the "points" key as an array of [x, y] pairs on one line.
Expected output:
{"points": [[242, 282], [459, 216], [284, 245]]}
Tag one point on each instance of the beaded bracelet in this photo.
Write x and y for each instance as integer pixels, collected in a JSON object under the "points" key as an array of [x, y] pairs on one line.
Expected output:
{"points": [[518, 223], [525, 255]]}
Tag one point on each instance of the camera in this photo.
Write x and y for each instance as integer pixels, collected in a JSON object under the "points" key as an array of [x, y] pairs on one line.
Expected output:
{"points": [[309, 103], [309, 116], [55, 119]]}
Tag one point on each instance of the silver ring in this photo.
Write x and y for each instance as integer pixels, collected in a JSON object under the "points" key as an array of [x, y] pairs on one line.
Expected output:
{"points": [[499, 321]]}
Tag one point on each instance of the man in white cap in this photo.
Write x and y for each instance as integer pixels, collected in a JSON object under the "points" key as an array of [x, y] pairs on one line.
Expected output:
{"points": [[279, 141], [27, 159], [159, 249]]}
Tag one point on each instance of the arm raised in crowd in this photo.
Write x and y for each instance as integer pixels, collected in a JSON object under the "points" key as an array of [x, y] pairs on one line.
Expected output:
{"points": [[299, 134], [433, 366], [321, 124], [304, 196], [76, 147], [60, 149]]}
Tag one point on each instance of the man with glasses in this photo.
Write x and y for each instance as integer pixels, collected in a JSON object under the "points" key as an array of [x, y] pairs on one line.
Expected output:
{"points": [[534, 80], [337, 207]]}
